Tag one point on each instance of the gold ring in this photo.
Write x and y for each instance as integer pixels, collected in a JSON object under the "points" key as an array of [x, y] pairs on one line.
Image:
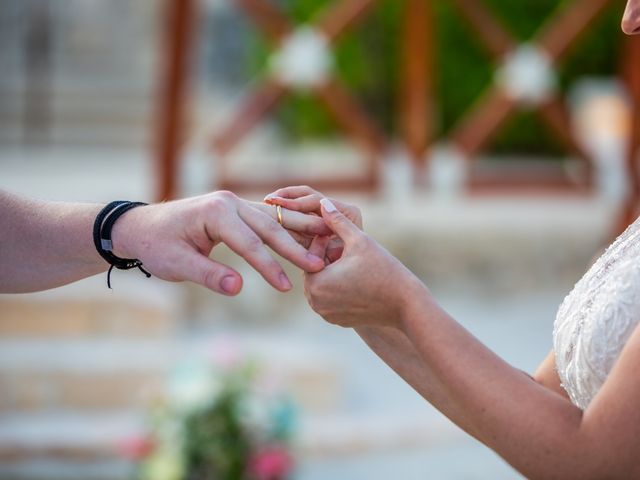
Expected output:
{"points": [[279, 214]]}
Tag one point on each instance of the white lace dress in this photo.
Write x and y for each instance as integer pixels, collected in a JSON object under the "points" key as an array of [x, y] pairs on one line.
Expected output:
{"points": [[597, 318]]}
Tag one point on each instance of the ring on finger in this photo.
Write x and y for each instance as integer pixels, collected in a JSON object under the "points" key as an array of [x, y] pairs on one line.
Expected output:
{"points": [[279, 214]]}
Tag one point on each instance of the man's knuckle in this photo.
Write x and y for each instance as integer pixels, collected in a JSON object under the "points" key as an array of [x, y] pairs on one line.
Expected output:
{"points": [[273, 228], [209, 278], [254, 244], [226, 195], [218, 205]]}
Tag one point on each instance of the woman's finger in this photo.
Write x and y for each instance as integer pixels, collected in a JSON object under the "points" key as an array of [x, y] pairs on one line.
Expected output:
{"points": [[306, 204], [339, 223], [292, 192]]}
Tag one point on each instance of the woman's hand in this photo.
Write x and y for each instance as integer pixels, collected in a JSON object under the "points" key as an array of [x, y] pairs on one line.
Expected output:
{"points": [[366, 285], [305, 199], [174, 240]]}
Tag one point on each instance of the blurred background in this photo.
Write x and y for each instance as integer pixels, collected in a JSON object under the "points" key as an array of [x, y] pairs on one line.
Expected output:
{"points": [[492, 146]]}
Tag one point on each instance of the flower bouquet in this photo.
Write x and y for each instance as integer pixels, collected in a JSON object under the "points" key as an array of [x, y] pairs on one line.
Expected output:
{"points": [[222, 421]]}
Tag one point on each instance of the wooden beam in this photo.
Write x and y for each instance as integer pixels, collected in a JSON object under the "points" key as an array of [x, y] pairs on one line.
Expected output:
{"points": [[494, 37], [267, 17], [563, 30], [350, 116], [253, 109], [179, 23], [416, 89], [342, 16], [481, 124]]}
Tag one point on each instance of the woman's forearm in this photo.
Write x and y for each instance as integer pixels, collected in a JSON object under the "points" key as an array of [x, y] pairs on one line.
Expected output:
{"points": [[394, 348], [533, 428], [45, 244]]}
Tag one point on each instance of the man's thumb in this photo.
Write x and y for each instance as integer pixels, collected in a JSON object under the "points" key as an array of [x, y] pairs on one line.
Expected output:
{"points": [[341, 225]]}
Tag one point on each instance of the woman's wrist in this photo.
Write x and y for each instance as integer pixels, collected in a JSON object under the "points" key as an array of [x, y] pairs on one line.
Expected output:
{"points": [[415, 301]]}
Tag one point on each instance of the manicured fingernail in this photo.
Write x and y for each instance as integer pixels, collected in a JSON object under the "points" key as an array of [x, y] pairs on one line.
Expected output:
{"points": [[285, 282], [228, 284], [269, 197], [328, 205]]}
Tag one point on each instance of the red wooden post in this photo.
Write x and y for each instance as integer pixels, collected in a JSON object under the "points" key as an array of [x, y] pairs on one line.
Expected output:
{"points": [[416, 83], [179, 21]]}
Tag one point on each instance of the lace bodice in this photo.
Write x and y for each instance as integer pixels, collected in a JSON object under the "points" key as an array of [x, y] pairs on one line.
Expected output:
{"points": [[597, 318]]}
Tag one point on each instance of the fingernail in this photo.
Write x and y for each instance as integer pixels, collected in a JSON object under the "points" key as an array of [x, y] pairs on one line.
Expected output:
{"points": [[269, 197], [328, 206], [285, 282], [228, 284]]}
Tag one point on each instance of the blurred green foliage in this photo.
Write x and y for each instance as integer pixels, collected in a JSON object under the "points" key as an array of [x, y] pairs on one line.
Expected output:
{"points": [[366, 60]]}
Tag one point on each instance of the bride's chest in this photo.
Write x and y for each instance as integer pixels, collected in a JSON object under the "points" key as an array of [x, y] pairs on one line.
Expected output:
{"points": [[596, 319]]}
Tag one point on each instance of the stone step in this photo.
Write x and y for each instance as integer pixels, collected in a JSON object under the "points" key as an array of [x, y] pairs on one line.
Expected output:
{"points": [[134, 309], [82, 118], [90, 375], [26, 317], [61, 445], [94, 445], [39, 375]]}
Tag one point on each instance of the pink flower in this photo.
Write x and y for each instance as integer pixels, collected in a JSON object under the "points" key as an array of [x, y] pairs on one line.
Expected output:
{"points": [[271, 463], [136, 447]]}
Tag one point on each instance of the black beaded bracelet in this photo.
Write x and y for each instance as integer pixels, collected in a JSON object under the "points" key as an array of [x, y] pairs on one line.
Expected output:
{"points": [[102, 237]]}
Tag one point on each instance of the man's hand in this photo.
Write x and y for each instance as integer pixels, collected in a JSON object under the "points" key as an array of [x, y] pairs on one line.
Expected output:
{"points": [[174, 240]]}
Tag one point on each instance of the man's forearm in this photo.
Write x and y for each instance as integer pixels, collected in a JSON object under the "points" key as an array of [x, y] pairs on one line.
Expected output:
{"points": [[45, 244]]}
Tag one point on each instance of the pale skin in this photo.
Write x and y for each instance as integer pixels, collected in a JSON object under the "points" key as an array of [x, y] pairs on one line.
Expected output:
{"points": [[529, 421], [48, 244]]}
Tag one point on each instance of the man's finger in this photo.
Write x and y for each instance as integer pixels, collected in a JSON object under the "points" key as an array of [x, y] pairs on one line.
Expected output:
{"points": [[341, 225], [279, 240], [246, 243], [303, 240], [215, 276], [335, 250], [296, 221]]}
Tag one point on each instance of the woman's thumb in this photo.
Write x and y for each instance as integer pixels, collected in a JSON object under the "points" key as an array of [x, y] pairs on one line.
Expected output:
{"points": [[341, 225]]}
